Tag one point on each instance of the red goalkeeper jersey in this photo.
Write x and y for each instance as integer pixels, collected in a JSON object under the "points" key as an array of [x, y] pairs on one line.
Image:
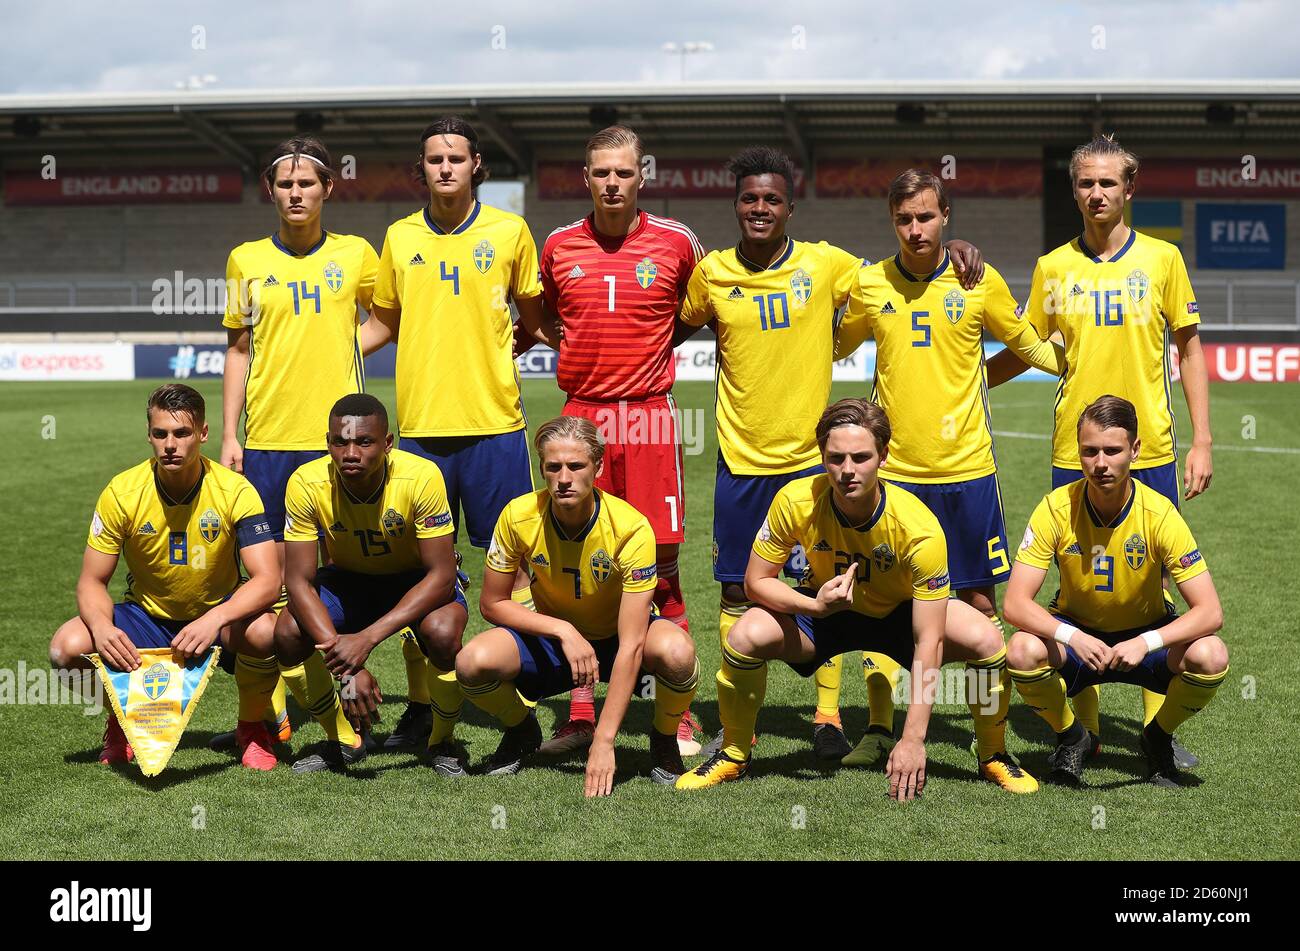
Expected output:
{"points": [[617, 298]]}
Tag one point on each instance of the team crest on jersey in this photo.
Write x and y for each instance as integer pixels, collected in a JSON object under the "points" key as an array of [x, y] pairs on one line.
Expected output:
{"points": [[484, 255], [333, 276], [883, 556], [954, 305], [1135, 551], [209, 525], [1138, 285], [155, 681], [601, 565], [801, 285], [393, 523], [646, 271]]}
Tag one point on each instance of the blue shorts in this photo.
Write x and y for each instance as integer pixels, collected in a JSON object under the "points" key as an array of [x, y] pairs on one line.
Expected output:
{"points": [[740, 505], [970, 514], [269, 471], [355, 601], [543, 671], [1164, 479], [1152, 674], [483, 473], [846, 631], [145, 630]]}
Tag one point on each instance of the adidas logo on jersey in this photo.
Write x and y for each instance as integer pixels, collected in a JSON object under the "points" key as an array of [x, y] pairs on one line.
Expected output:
{"points": [[822, 545], [888, 308], [270, 281], [1076, 290], [1074, 549], [147, 529], [337, 527], [736, 294], [576, 273], [540, 560], [417, 259]]}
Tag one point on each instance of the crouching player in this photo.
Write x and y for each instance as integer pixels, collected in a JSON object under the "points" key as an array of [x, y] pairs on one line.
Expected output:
{"points": [[592, 557], [1111, 535], [878, 581], [184, 525], [387, 530]]}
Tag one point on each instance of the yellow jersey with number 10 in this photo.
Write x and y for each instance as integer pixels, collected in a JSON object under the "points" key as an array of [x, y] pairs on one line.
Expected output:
{"points": [[1115, 317], [776, 341]]}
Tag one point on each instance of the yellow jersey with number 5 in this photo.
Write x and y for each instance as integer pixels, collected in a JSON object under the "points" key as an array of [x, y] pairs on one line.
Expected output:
{"points": [[1116, 317]]}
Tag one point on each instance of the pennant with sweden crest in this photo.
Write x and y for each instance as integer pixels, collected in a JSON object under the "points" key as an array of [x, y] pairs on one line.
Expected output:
{"points": [[155, 701]]}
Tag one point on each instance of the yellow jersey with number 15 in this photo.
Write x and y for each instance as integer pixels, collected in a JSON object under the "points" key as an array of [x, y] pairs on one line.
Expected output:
{"points": [[776, 344], [301, 315], [455, 372], [1115, 317]]}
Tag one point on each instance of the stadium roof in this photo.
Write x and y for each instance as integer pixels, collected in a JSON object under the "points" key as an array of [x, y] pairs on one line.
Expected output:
{"points": [[521, 122]]}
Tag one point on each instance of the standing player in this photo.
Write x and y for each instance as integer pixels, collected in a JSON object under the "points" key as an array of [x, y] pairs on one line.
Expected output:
{"points": [[615, 280], [184, 525], [877, 581], [447, 276], [774, 301], [593, 559], [1116, 295], [291, 323], [930, 380], [1111, 536], [383, 517]]}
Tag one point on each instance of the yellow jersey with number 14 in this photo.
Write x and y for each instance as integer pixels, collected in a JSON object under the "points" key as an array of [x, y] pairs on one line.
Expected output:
{"points": [[455, 372], [776, 341], [579, 579], [301, 315], [1115, 317]]}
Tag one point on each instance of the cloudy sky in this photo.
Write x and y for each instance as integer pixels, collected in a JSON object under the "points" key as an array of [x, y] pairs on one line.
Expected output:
{"points": [[84, 46]]}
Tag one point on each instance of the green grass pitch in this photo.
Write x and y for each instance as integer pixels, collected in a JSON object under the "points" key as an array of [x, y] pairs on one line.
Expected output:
{"points": [[57, 802]]}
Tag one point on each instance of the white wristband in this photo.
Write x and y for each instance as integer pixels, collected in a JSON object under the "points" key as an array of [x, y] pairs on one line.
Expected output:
{"points": [[1154, 641], [1064, 632]]}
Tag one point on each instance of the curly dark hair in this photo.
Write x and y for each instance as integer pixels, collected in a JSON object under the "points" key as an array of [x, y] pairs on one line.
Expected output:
{"points": [[761, 160]]}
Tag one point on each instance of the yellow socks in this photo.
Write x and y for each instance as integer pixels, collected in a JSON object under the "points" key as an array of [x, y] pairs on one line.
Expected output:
{"points": [[828, 690], [311, 682], [1044, 692], [1151, 704], [672, 700], [988, 699], [500, 699], [1087, 707], [256, 678], [523, 596], [742, 684], [881, 673], [444, 701], [417, 668], [729, 613], [1188, 694]]}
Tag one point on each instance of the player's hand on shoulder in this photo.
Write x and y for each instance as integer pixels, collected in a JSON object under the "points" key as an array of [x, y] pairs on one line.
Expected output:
{"points": [[837, 594], [1094, 652], [600, 769], [1128, 654], [906, 770], [116, 648]]}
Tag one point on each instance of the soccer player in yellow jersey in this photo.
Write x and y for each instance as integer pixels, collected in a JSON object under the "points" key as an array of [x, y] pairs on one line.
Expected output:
{"points": [[773, 301], [383, 519], [592, 557], [1111, 536], [184, 524], [930, 380], [877, 581], [447, 276], [291, 325], [1117, 296]]}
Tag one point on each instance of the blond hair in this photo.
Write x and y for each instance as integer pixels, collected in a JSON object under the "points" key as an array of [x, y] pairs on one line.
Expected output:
{"points": [[1104, 146], [572, 427], [614, 137]]}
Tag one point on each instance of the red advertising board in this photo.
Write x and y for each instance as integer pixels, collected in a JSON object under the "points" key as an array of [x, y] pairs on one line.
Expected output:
{"points": [[134, 186], [374, 181], [673, 178], [1249, 362], [972, 177], [1219, 178]]}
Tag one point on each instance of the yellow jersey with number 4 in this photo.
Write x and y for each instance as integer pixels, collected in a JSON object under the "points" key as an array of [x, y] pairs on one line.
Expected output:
{"points": [[1115, 317], [579, 579], [776, 344], [377, 535], [900, 551], [930, 376], [301, 315], [455, 372], [182, 555], [1111, 571]]}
